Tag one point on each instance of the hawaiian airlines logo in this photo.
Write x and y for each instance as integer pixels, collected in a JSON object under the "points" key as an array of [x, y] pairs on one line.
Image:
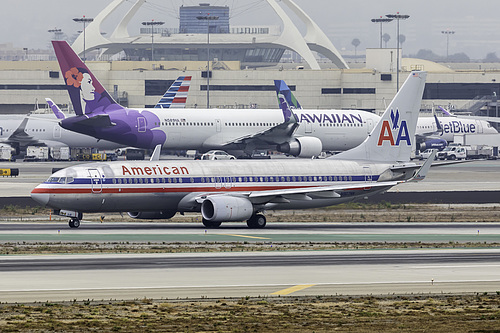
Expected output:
{"points": [[394, 131]]}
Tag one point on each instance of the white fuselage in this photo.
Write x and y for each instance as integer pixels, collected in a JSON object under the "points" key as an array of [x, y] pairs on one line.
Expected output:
{"points": [[454, 126], [44, 129], [175, 185], [205, 129]]}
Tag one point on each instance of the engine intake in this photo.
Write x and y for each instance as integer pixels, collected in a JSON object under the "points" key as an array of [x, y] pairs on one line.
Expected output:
{"points": [[159, 215], [224, 208], [306, 146]]}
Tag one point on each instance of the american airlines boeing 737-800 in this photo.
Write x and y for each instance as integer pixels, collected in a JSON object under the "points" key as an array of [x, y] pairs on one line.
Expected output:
{"points": [[100, 116], [241, 190]]}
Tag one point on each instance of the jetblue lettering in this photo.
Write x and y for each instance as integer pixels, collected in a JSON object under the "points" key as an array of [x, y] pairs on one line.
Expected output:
{"points": [[331, 118], [154, 170], [456, 126]]}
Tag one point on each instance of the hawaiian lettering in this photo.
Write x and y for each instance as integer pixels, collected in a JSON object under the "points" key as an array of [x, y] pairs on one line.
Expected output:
{"points": [[154, 170], [333, 118]]}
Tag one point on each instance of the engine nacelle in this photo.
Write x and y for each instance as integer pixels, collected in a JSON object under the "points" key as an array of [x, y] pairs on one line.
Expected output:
{"points": [[224, 208], [159, 215], [439, 144], [306, 146]]}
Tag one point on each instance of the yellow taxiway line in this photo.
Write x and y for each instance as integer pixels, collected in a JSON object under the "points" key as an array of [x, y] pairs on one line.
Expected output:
{"points": [[293, 289], [244, 236]]}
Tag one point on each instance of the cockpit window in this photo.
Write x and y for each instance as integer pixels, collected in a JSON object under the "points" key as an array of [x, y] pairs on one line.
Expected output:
{"points": [[60, 180]]}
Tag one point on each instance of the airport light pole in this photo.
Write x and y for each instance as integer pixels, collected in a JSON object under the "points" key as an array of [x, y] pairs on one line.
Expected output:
{"points": [[83, 20], [397, 17], [152, 23], [381, 20], [208, 18], [57, 33], [447, 33]]}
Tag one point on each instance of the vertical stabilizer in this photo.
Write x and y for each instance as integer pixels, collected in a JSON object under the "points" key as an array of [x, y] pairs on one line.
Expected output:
{"points": [[391, 139], [176, 95], [282, 88], [86, 93]]}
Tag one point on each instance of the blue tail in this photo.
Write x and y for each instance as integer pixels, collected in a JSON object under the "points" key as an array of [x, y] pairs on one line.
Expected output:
{"points": [[283, 89], [176, 95]]}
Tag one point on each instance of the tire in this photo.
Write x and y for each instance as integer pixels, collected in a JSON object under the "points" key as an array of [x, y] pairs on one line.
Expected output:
{"points": [[452, 157], [211, 224], [257, 221], [74, 223]]}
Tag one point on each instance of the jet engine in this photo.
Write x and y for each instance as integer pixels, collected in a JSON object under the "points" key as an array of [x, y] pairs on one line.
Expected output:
{"points": [[224, 208], [439, 144], [306, 146], [159, 215]]}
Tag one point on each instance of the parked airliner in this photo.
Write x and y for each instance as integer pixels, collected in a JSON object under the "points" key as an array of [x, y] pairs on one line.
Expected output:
{"points": [[20, 131], [432, 132], [100, 116], [242, 190]]}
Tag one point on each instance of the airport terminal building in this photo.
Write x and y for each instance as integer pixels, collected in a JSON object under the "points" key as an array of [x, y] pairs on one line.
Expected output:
{"points": [[244, 62]]}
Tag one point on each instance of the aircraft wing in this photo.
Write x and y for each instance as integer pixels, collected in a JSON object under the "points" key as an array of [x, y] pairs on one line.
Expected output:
{"points": [[424, 169], [101, 120], [275, 135], [423, 136], [315, 192]]}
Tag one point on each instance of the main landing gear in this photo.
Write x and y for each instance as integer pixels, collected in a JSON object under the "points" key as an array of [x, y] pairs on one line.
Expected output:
{"points": [[74, 222], [257, 221]]}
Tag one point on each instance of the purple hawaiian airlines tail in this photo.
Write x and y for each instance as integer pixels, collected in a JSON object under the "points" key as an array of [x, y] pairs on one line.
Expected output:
{"points": [[86, 92]]}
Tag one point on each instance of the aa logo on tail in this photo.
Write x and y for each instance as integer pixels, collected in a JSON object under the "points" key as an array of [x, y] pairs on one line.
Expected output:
{"points": [[396, 133]]}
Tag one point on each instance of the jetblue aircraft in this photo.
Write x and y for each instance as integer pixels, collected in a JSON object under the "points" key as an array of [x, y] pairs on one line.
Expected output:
{"points": [[239, 190], [100, 116]]}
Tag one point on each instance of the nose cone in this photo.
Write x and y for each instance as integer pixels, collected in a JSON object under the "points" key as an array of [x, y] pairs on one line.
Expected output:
{"points": [[39, 196]]}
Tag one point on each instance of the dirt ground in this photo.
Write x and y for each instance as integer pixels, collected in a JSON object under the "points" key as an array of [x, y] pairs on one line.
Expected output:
{"points": [[415, 313]]}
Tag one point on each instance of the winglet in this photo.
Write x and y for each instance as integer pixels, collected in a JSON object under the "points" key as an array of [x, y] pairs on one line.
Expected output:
{"points": [[282, 88], [59, 114], [176, 95], [155, 156], [438, 125], [424, 169]]}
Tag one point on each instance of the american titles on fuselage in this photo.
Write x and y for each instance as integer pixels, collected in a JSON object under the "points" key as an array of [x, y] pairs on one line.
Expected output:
{"points": [[154, 170]]}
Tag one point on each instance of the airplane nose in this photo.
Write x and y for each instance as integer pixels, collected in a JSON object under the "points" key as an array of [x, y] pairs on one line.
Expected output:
{"points": [[41, 198]]}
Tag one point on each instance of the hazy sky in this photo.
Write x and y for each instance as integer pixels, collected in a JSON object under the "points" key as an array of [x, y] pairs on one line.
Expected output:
{"points": [[476, 23]]}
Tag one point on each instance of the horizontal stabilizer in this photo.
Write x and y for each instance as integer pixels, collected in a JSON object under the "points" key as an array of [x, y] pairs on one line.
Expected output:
{"points": [[101, 120]]}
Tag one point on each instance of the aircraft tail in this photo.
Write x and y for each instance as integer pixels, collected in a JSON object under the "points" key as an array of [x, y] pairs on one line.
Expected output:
{"points": [[391, 139], [176, 95], [86, 93], [283, 89]]}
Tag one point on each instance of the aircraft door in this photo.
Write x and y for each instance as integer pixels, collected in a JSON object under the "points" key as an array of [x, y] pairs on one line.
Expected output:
{"points": [[308, 128], [479, 125], [141, 125], [227, 182], [57, 132], [95, 180], [369, 124], [368, 175], [218, 125]]}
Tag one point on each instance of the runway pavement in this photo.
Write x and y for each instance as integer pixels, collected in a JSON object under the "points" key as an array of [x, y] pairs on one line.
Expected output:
{"points": [[239, 232], [171, 276]]}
